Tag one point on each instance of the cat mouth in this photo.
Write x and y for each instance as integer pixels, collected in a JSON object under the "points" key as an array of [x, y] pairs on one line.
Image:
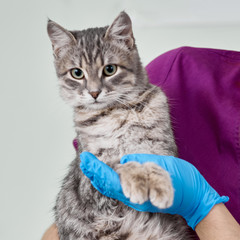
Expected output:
{"points": [[97, 102]]}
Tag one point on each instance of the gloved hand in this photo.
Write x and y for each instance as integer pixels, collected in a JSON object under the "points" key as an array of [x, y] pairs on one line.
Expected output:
{"points": [[193, 196]]}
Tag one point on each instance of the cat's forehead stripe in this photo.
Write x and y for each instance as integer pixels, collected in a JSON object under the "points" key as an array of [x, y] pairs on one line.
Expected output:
{"points": [[84, 61], [92, 46]]}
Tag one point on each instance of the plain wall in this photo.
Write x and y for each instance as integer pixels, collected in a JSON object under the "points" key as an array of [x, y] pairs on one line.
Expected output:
{"points": [[36, 129]]}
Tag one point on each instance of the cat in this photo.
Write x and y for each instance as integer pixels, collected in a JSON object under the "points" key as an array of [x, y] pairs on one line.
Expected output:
{"points": [[116, 112]]}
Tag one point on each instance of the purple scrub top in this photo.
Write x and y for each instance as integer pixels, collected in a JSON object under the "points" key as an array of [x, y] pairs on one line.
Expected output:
{"points": [[203, 88]]}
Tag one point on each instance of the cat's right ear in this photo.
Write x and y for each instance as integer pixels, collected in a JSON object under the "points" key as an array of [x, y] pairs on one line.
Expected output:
{"points": [[121, 30], [59, 37]]}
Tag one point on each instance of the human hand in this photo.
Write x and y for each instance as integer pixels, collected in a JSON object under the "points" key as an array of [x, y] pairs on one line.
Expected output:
{"points": [[51, 233], [193, 196]]}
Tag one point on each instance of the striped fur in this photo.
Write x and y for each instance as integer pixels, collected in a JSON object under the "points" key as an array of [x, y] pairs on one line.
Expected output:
{"points": [[128, 116]]}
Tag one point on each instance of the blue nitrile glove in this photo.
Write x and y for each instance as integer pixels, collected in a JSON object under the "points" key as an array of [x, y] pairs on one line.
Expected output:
{"points": [[193, 196]]}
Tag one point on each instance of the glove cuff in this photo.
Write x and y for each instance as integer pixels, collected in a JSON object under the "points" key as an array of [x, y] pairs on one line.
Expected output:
{"points": [[202, 210]]}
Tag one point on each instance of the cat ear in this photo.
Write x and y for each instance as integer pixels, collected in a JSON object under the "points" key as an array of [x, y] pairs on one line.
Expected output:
{"points": [[59, 37], [121, 30]]}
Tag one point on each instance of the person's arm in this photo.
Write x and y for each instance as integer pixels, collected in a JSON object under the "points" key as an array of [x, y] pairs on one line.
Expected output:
{"points": [[219, 224], [51, 233]]}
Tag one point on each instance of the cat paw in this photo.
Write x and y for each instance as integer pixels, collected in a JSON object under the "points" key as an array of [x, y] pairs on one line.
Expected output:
{"points": [[161, 192], [134, 181], [148, 181]]}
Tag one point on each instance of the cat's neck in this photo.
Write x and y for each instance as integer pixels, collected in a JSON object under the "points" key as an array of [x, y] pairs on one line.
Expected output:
{"points": [[102, 127], [95, 129]]}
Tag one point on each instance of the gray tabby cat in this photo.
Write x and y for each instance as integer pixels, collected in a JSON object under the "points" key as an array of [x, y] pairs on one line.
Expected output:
{"points": [[116, 112]]}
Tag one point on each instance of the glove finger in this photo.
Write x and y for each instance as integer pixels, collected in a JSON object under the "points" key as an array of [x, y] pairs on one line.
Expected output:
{"points": [[88, 164], [103, 178]]}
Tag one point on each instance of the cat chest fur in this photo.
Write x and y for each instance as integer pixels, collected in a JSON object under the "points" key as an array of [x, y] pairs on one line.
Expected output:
{"points": [[142, 127]]}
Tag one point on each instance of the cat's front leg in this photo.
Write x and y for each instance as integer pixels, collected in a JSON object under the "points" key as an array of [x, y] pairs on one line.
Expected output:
{"points": [[148, 181]]}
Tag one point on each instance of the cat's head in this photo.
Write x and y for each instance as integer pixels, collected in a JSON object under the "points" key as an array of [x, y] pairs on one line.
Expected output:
{"points": [[97, 67]]}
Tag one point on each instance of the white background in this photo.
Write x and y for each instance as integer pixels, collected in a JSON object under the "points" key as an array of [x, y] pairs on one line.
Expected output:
{"points": [[36, 128]]}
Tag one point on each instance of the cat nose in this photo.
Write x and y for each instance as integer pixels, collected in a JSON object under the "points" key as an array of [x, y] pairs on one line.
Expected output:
{"points": [[95, 94]]}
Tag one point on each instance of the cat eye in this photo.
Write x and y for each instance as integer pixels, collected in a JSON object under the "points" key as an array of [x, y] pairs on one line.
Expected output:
{"points": [[77, 73], [109, 70]]}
